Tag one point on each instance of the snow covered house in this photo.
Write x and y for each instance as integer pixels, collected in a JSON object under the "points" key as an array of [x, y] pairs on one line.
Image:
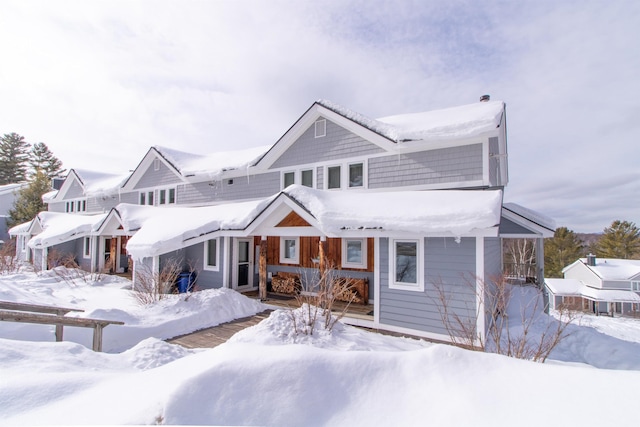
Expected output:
{"points": [[599, 285], [8, 194], [401, 204]]}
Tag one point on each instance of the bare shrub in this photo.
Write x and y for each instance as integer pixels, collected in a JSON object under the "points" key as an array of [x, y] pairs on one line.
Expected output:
{"points": [[65, 267], [151, 286], [318, 302], [8, 261], [531, 336]]}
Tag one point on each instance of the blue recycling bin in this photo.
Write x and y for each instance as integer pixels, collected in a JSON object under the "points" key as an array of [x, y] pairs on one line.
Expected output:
{"points": [[186, 279]]}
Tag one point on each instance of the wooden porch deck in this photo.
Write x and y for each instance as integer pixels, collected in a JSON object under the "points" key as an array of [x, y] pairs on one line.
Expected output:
{"points": [[358, 311]]}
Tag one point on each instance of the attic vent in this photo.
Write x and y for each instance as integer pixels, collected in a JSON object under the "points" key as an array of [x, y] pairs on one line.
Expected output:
{"points": [[321, 128], [485, 98], [230, 182], [156, 164]]}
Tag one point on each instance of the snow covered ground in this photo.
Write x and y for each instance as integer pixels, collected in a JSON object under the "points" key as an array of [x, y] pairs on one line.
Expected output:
{"points": [[265, 375]]}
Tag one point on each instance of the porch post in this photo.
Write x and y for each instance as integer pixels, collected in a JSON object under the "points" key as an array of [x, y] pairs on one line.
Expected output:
{"points": [[262, 272], [322, 259]]}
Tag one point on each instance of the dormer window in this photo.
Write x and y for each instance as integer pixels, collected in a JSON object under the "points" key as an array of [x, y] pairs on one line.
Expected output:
{"points": [[320, 128]]}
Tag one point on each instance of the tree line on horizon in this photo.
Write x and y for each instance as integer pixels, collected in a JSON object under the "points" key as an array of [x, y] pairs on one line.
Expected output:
{"points": [[23, 162]]}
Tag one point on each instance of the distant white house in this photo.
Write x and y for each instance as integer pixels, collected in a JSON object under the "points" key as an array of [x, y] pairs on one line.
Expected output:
{"points": [[605, 285]]}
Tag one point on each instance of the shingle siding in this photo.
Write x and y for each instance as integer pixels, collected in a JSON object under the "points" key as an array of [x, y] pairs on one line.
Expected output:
{"points": [[441, 166], [155, 178], [243, 188], [338, 144]]}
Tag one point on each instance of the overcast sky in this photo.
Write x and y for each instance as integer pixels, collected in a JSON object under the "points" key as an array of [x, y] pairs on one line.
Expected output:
{"points": [[101, 82]]}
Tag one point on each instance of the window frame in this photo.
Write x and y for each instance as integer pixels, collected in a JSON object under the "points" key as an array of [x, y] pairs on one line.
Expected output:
{"points": [[407, 286], [284, 178], [635, 286], [86, 247], [296, 258], [348, 177], [302, 171], [328, 177], [205, 262], [363, 252]]}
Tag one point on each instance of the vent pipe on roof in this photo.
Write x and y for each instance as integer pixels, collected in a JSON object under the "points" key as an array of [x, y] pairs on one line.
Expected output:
{"points": [[485, 98], [591, 260]]}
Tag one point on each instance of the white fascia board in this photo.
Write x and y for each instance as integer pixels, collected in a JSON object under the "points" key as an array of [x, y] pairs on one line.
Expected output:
{"points": [[529, 225], [110, 225], [66, 185]]}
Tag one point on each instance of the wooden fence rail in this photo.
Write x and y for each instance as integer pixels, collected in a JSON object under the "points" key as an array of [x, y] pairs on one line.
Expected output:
{"points": [[50, 315]]}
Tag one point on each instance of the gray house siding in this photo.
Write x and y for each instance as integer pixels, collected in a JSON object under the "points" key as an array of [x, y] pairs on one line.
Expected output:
{"points": [[74, 191], [154, 178], [448, 265], [192, 257], [246, 187], [57, 207], [75, 248], [492, 272], [510, 227], [441, 166], [105, 204], [320, 177], [338, 143]]}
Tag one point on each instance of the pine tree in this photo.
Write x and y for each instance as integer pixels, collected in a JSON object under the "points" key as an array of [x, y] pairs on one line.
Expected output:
{"points": [[29, 201], [42, 158], [14, 157], [620, 240], [562, 250]]}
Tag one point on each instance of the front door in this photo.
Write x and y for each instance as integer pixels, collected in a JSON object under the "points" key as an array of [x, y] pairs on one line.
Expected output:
{"points": [[244, 261]]}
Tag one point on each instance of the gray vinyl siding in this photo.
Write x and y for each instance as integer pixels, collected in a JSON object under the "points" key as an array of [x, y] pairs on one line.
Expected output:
{"points": [[337, 144], [155, 178], [75, 248], [246, 187], [494, 163], [441, 166], [104, 204], [320, 177], [492, 273], [449, 265], [74, 191], [57, 207], [510, 227], [192, 257]]}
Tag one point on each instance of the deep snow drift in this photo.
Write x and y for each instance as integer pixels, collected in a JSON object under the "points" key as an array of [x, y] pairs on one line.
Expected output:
{"points": [[266, 375]]}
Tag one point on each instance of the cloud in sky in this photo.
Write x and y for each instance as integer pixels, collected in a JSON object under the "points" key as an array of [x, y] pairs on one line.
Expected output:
{"points": [[100, 82]]}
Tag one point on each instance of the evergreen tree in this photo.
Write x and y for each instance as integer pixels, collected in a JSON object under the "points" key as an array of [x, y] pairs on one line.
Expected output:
{"points": [[29, 201], [14, 157], [562, 250], [42, 158], [620, 240]]}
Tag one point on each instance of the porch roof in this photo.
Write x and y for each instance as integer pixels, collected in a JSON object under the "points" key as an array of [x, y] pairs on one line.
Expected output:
{"points": [[573, 287], [61, 227], [332, 214]]}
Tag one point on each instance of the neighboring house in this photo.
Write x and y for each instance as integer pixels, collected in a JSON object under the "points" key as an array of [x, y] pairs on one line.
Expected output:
{"points": [[598, 285], [8, 194], [404, 204]]}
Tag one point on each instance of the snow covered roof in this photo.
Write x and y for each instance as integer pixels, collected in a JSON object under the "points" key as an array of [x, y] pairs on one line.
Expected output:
{"points": [[20, 228], [457, 212], [614, 269], [189, 164], [161, 230], [11, 188], [100, 183], [456, 122], [61, 227], [573, 287], [531, 215]]}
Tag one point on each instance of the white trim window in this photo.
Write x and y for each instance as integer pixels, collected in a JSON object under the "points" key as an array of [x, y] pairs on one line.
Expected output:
{"points": [[79, 205], [306, 177], [86, 245], [167, 196], [635, 286], [356, 175], [334, 176], [211, 255], [290, 250], [288, 178], [405, 264], [354, 253], [320, 128]]}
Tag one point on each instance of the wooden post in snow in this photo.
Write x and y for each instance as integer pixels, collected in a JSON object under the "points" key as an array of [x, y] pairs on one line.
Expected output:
{"points": [[262, 290]]}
